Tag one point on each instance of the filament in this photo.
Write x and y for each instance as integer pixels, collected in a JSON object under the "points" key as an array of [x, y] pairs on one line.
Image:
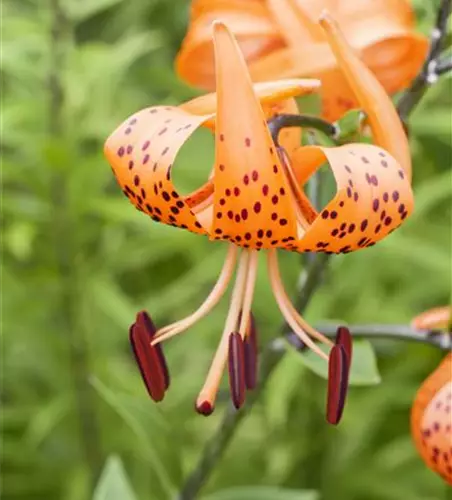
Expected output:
{"points": [[211, 301]]}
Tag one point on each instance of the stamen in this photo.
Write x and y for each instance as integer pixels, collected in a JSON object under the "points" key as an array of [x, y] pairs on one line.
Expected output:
{"points": [[148, 362], [145, 321], [337, 384], [344, 339], [211, 301], [251, 354], [304, 211], [209, 391], [294, 320], [249, 293], [236, 364]]}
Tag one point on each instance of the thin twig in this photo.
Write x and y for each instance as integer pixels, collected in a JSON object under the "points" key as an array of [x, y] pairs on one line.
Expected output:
{"points": [[429, 73], [444, 66], [439, 339]]}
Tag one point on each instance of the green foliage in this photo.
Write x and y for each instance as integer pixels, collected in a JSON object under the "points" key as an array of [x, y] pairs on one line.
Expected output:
{"points": [[79, 261], [113, 483]]}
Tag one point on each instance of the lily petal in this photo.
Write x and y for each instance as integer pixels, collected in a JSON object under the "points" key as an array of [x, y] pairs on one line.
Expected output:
{"points": [[373, 197], [141, 152], [386, 126], [250, 187]]}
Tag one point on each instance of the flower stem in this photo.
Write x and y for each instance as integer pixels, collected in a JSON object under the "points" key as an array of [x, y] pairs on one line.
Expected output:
{"points": [[429, 73], [279, 122], [439, 339], [444, 66]]}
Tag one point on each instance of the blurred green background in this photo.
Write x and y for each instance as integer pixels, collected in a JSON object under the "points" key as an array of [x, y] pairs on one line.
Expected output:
{"points": [[79, 261]]}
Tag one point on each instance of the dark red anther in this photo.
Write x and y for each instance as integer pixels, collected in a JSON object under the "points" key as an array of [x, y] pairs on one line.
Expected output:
{"points": [[148, 361], [205, 408], [145, 320], [344, 338], [337, 384], [250, 354], [236, 361]]}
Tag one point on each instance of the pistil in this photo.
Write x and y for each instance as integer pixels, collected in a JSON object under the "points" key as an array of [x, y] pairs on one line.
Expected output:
{"points": [[206, 399]]}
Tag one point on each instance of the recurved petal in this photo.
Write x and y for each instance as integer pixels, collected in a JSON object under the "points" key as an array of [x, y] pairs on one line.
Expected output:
{"points": [[141, 152], [386, 126], [251, 192], [249, 21], [269, 94], [373, 197]]}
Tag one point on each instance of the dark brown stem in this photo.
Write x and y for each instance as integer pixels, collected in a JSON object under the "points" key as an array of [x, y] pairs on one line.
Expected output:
{"points": [[65, 253], [429, 73], [280, 122]]}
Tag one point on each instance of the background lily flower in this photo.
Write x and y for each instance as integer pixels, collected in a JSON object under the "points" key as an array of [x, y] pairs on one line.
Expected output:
{"points": [[280, 39], [431, 414], [431, 420], [254, 201]]}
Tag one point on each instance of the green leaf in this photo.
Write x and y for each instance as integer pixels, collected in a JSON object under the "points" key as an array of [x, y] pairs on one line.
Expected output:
{"points": [[350, 126], [126, 413], [364, 364], [113, 483], [262, 493]]}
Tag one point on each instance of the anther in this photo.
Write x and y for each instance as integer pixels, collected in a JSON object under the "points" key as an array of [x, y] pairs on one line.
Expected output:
{"points": [[344, 339], [148, 361], [144, 319], [236, 369], [337, 384]]}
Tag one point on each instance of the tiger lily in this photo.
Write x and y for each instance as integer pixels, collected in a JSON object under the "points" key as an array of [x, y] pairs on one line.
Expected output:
{"points": [[281, 39], [431, 414], [254, 200]]}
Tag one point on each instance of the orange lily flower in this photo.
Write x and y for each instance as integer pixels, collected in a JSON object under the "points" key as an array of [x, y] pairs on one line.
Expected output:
{"points": [[254, 201], [281, 39], [431, 420], [437, 318], [431, 414]]}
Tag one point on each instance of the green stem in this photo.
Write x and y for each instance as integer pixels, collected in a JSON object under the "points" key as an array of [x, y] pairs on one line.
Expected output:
{"points": [[279, 122], [441, 340], [65, 253]]}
